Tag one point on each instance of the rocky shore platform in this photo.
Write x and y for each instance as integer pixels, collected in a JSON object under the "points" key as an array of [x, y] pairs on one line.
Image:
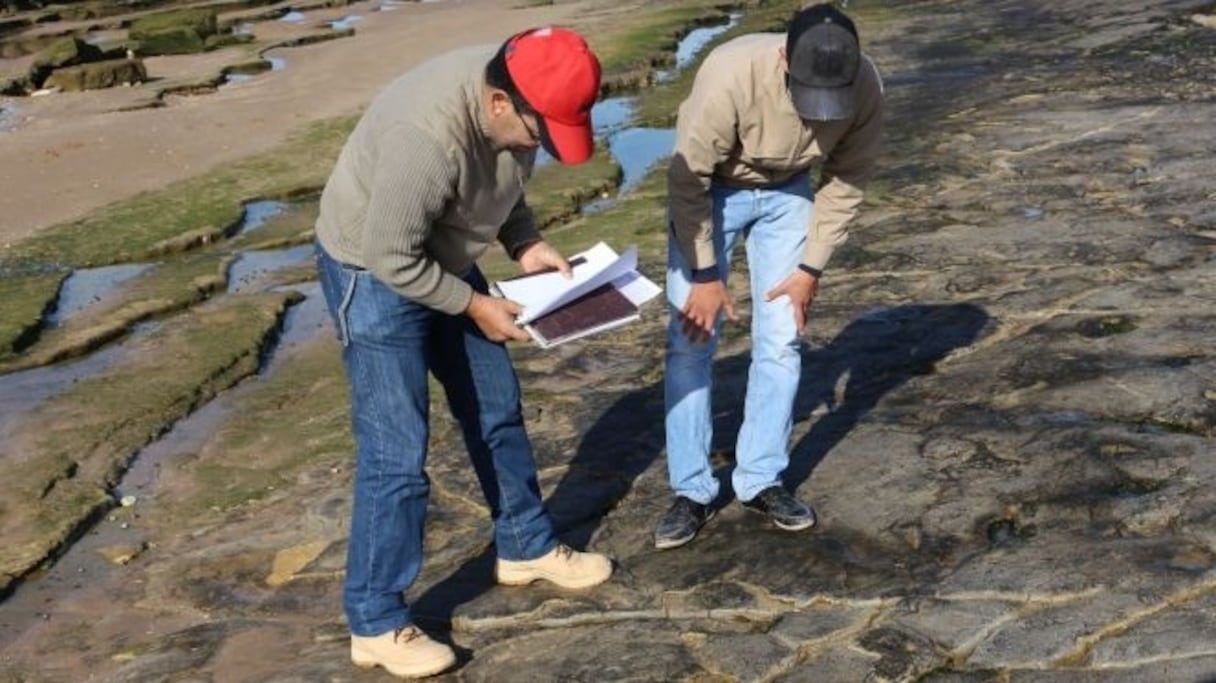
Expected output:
{"points": [[1007, 423]]}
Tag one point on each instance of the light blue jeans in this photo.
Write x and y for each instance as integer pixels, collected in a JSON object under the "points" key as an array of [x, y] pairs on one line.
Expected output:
{"points": [[389, 344], [773, 222]]}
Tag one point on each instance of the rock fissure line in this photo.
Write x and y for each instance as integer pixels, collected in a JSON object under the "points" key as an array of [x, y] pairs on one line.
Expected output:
{"points": [[1021, 323], [964, 651], [1023, 598], [483, 624], [1046, 146], [1132, 664], [1086, 644], [753, 614], [1028, 601], [783, 666]]}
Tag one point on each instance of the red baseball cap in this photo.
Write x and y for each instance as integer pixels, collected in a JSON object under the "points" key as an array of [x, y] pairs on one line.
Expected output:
{"points": [[559, 77]]}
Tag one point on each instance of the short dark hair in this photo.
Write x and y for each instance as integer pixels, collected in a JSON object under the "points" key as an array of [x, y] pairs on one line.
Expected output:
{"points": [[497, 76]]}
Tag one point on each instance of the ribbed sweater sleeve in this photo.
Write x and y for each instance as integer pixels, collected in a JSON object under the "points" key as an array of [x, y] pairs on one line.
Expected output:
{"points": [[411, 183], [519, 228]]}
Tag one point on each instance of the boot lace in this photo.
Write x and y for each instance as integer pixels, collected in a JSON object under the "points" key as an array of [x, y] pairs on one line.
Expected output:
{"points": [[404, 634]]}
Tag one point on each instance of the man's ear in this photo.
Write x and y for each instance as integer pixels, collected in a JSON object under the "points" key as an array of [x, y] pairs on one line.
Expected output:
{"points": [[500, 102]]}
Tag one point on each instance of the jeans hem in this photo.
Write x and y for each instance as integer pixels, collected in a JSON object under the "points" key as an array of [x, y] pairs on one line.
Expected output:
{"points": [[755, 491], [372, 632]]}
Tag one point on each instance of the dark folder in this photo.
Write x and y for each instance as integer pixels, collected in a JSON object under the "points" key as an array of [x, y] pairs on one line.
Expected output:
{"points": [[602, 308]]}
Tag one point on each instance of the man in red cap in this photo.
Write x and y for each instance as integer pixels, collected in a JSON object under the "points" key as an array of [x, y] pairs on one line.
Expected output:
{"points": [[430, 178]]}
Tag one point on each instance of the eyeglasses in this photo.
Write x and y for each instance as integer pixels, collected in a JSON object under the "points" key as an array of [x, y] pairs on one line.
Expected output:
{"points": [[534, 135]]}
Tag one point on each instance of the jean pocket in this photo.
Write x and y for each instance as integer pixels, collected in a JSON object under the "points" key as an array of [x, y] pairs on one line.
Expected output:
{"points": [[343, 313]]}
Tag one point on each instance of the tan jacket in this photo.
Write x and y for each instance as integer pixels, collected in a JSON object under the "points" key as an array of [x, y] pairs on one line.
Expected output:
{"points": [[419, 191], [738, 127]]}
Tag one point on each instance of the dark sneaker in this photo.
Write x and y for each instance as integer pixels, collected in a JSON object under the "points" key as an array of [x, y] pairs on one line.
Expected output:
{"points": [[783, 508], [681, 523]]}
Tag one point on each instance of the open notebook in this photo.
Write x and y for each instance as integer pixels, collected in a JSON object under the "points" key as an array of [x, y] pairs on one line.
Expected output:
{"points": [[606, 292]]}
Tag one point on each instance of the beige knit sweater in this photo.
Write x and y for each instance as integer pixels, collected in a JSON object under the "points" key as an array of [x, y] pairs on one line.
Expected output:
{"points": [[419, 191]]}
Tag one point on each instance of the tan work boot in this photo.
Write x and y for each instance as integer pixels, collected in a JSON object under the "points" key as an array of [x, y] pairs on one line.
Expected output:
{"points": [[563, 566], [406, 652]]}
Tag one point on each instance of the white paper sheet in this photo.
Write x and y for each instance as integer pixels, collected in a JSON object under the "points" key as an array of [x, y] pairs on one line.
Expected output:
{"points": [[544, 292]]}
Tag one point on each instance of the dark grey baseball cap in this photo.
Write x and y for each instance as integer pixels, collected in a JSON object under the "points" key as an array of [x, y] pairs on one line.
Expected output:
{"points": [[824, 57]]}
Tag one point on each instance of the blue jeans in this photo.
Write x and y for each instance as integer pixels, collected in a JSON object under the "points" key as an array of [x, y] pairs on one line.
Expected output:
{"points": [[389, 343], [773, 222]]}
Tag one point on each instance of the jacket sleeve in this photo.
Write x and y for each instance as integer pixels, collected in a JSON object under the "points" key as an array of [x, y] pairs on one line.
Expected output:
{"points": [[706, 133], [411, 183], [843, 177]]}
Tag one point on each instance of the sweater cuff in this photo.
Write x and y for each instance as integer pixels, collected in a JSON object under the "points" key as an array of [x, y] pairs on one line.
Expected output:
{"points": [[518, 247], [455, 298]]}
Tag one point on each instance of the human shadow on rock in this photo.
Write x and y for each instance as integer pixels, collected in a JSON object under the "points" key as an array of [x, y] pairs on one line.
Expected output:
{"points": [[622, 436], [878, 351]]}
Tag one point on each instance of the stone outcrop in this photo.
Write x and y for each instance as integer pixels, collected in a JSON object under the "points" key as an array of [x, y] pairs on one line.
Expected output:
{"points": [[98, 75], [170, 33], [61, 54], [14, 86], [22, 44], [176, 40], [73, 64]]}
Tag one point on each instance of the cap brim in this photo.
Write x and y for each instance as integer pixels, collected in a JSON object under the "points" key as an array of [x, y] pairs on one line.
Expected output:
{"points": [[568, 144], [822, 104]]}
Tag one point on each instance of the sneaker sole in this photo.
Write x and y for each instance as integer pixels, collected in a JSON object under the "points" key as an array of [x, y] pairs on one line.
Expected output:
{"points": [[523, 579], [797, 526], [668, 544]]}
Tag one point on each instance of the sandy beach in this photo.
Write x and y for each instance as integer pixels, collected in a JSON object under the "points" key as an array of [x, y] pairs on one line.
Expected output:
{"points": [[71, 153]]}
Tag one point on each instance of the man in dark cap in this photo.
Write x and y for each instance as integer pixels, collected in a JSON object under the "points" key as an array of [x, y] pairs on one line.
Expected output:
{"points": [[431, 177], [765, 110]]}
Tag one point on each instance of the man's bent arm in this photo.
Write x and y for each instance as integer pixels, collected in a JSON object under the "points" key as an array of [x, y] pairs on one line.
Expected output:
{"points": [[705, 134], [844, 175]]}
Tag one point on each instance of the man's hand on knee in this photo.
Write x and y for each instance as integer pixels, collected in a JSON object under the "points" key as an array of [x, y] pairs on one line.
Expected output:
{"points": [[801, 287], [705, 301]]}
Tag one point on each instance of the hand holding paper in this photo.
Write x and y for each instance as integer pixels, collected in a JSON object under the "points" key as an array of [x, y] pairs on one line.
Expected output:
{"points": [[541, 256], [495, 317], [605, 291]]}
